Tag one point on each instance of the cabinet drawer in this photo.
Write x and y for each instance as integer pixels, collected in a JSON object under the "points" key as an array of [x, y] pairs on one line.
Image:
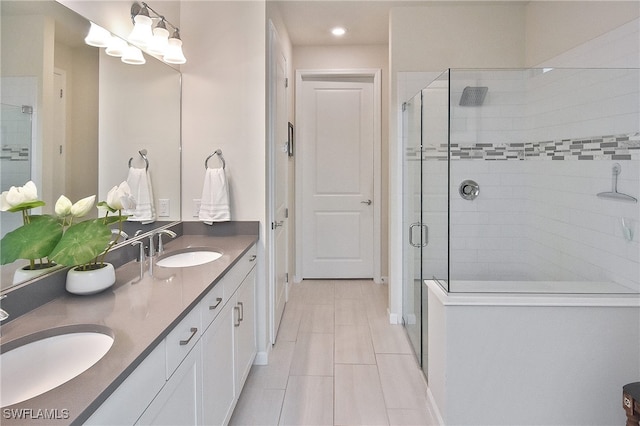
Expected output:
{"points": [[213, 303], [234, 278], [181, 339]]}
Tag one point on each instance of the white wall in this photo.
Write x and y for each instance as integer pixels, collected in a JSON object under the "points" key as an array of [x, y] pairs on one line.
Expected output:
{"points": [[223, 107], [556, 27], [503, 361]]}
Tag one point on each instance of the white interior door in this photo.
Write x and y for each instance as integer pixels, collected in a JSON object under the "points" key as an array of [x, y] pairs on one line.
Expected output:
{"points": [[279, 178], [336, 139], [59, 132]]}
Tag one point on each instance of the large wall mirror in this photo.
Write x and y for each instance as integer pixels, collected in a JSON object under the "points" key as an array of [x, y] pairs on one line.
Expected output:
{"points": [[74, 118]]}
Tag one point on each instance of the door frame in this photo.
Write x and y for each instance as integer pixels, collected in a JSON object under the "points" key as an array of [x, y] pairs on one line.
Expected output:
{"points": [[336, 74], [270, 255]]}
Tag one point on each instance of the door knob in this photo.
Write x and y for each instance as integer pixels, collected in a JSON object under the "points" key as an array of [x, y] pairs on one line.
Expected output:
{"points": [[368, 202]]}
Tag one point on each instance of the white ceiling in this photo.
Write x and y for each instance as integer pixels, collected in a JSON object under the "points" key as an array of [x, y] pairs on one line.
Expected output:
{"points": [[309, 22]]}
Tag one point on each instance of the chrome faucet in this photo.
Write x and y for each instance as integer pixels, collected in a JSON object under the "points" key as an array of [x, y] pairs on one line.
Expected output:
{"points": [[164, 232], [120, 233]]}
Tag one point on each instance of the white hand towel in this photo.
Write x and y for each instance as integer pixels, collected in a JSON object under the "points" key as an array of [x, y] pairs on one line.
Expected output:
{"points": [[214, 204], [139, 181]]}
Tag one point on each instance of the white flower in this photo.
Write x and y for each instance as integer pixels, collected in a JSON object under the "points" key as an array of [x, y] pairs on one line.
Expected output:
{"points": [[119, 197], [17, 195], [83, 206], [63, 206]]}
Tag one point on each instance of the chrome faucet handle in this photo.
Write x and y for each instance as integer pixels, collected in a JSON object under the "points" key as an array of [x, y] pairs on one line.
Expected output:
{"points": [[120, 233], [141, 257], [165, 232]]}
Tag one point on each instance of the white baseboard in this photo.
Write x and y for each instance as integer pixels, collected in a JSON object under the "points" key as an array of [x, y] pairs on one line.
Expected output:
{"points": [[262, 358], [393, 318], [433, 407]]}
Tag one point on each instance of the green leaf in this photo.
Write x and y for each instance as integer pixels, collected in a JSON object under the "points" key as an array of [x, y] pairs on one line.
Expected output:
{"points": [[34, 240], [82, 243], [114, 219], [26, 206]]}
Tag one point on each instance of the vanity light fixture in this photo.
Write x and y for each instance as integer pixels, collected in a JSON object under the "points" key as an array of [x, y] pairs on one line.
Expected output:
{"points": [[132, 55], [98, 36], [160, 40], [157, 42], [141, 33], [173, 54], [116, 47]]}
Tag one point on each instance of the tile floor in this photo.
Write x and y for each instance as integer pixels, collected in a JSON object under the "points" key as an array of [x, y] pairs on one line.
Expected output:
{"points": [[337, 361]]}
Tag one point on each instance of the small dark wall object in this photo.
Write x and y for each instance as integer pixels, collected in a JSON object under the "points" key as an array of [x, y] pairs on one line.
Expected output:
{"points": [[631, 403]]}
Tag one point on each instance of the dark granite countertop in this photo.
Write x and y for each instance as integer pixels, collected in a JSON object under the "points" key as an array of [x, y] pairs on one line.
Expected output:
{"points": [[140, 312]]}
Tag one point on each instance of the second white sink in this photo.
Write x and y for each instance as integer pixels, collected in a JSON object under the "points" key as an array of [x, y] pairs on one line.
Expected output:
{"points": [[188, 257]]}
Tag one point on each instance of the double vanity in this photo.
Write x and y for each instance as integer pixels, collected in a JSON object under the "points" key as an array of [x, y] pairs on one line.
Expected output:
{"points": [[168, 344]]}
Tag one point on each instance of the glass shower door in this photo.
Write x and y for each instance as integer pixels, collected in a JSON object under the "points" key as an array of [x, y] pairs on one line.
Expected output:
{"points": [[412, 222]]}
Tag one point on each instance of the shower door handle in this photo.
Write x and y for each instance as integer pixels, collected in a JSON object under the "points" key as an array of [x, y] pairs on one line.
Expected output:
{"points": [[425, 233]]}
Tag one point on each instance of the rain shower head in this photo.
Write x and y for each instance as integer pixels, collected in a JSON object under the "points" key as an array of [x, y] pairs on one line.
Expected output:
{"points": [[473, 96]]}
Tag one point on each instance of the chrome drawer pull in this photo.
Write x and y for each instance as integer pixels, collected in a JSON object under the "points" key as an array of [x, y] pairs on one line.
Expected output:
{"points": [[235, 308], [252, 258], [218, 302], [241, 311], [193, 333]]}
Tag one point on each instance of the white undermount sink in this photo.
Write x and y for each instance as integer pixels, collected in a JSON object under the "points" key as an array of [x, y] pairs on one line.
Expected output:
{"points": [[191, 256], [38, 363]]}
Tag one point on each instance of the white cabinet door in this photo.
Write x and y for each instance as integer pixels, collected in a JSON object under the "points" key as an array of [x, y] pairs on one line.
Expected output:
{"points": [[218, 392], [244, 328], [133, 396], [180, 400]]}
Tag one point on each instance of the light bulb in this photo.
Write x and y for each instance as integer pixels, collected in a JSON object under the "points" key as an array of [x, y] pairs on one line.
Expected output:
{"points": [[160, 41], [98, 36], [132, 55], [116, 47], [174, 54], [141, 33]]}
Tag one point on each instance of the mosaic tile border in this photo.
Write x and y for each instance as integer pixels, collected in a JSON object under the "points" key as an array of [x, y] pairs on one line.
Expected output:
{"points": [[613, 147], [14, 153]]}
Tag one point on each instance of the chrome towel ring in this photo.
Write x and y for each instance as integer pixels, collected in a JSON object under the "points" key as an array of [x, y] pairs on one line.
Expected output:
{"points": [[217, 152], [143, 154]]}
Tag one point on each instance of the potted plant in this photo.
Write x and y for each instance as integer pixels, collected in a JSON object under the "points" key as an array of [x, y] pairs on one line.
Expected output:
{"points": [[83, 245], [35, 239]]}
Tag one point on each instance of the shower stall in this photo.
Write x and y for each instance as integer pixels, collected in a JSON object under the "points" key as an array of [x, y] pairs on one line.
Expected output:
{"points": [[15, 154], [522, 252]]}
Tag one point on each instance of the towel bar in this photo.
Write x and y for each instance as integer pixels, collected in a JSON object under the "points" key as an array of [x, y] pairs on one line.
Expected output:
{"points": [[216, 152], [143, 154]]}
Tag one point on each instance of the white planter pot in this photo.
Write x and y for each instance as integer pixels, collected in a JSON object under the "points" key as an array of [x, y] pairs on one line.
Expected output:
{"points": [[90, 282], [22, 274]]}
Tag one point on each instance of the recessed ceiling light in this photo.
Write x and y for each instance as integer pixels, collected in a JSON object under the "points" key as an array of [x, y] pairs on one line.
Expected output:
{"points": [[338, 31]]}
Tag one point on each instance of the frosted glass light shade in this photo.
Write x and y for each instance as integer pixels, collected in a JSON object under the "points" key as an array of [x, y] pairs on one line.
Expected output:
{"points": [[159, 42], [141, 33], [132, 55], [116, 47], [98, 36], [174, 54]]}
